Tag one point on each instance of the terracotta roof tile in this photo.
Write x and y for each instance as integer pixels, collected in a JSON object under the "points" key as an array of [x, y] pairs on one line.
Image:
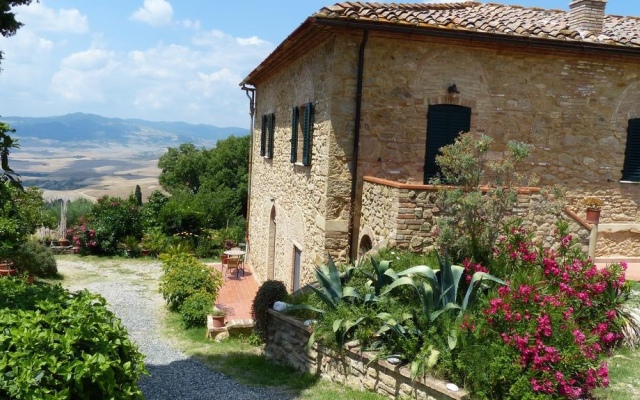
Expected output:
{"points": [[489, 18]]}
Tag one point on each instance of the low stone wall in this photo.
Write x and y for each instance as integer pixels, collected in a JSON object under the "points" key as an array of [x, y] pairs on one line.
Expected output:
{"points": [[287, 340], [404, 216]]}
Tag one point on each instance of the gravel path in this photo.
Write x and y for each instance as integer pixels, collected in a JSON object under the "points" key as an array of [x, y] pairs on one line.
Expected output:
{"points": [[131, 292]]}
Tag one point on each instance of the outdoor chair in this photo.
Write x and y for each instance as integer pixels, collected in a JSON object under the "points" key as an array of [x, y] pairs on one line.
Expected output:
{"points": [[236, 262]]}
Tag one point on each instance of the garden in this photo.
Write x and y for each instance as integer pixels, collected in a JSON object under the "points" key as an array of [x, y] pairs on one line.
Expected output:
{"points": [[490, 309]]}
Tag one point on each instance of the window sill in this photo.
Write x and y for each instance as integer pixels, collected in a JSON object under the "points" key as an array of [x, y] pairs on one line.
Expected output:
{"points": [[630, 182], [299, 164]]}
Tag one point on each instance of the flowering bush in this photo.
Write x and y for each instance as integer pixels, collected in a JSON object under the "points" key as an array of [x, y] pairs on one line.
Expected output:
{"points": [[549, 328], [84, 237]]}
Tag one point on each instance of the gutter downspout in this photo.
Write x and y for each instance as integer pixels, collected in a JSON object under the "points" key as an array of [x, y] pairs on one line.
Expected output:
{"points": [[251, 95], [356, 147]]}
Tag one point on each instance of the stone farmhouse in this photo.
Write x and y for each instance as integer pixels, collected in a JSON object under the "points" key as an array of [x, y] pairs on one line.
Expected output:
{"points": [[350, 110]]}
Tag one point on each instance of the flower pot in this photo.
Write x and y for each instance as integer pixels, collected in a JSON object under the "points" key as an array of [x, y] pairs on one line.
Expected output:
{"points": [[63, 242], [218, 321], [593, 216], [6, 270]]}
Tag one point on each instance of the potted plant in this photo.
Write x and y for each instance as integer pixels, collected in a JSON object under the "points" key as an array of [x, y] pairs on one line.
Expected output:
{"points": [[218, 317], [594, 205]]}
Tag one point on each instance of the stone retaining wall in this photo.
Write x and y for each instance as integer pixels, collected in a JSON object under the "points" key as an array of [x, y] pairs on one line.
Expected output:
{"points": [[287, 340], [404, 216]]}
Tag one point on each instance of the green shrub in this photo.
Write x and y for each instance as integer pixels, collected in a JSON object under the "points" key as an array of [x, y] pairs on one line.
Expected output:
{"points": [[35, 259], [268, 293], [195, 309], [61, 345], [185, 275]]}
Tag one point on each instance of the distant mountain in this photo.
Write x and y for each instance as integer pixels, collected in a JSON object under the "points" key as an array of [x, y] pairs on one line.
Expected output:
{"points": [[85, 128]]}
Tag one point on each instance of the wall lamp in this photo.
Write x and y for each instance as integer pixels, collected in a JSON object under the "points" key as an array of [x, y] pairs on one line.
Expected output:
{"points": [[453, 89]]}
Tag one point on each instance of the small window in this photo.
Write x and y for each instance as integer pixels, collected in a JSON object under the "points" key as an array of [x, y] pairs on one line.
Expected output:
{"points": [[631, 168], [301, 145], [267, 135]]}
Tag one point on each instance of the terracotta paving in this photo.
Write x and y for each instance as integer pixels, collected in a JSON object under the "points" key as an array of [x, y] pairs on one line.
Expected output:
{"points": [[237, 293]]}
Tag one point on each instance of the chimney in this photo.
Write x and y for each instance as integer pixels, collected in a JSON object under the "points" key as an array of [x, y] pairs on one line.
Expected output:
{"points": [[587, 15]]}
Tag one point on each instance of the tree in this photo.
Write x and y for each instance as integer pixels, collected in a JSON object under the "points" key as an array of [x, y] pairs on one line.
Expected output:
{"points": [[208, 187], [8, 23], [182, 168], [138, 194]]}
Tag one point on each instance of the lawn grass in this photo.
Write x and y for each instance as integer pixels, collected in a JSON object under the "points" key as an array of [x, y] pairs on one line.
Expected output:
{"points": [[244, 362], [624, 365]]}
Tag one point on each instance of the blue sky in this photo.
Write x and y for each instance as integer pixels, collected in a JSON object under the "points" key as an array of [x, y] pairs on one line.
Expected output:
{"points": [[163, 60]]}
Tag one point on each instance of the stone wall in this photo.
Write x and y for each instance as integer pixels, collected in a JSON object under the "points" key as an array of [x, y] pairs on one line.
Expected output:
{"points": [[404, 216], [310, 203], [287, 343]]}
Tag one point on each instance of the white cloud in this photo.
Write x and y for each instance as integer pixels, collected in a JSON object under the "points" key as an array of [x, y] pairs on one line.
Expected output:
{"points": [[252, 41], [189, 24], [37, 17], [154, 12], [84, 76]]}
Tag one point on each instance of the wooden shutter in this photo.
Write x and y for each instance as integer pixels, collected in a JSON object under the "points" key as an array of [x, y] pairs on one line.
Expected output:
{"points": [[272, 128], [308, 134], [631, 168], [294, 134], [444, 124], [263, 136]]}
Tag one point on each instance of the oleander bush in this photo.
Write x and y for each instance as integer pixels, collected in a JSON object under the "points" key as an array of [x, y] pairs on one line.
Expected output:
{"points": [[184, 276], [60, 345], [547, 333], [35, 259]]}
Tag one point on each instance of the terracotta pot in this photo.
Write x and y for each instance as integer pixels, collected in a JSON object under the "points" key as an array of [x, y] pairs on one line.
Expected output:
{"points": [[218, 321], [6, 270], [63, 242], [593, 216]]}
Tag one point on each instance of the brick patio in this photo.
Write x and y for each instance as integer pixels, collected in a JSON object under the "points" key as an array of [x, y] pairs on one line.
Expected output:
{"points": [[237, 293]]}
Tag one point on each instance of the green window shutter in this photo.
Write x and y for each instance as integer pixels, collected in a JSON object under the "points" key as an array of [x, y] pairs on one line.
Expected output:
{"points": [[444, 124], [631, 168], [308, 134], [294, 134], [263, 136], [272, 128]]}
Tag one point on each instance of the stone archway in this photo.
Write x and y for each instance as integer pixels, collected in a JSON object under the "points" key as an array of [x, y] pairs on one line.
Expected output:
{"points": [[365, 245]]}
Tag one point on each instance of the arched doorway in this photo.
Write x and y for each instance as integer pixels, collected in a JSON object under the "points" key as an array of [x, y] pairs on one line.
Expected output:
{"points": [[271, 262], [365, 245]]}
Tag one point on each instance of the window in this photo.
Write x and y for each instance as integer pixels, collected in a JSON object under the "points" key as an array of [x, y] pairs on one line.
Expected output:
{"points": [[267, 132], [444, 124], [301, 144], [631, 168]]}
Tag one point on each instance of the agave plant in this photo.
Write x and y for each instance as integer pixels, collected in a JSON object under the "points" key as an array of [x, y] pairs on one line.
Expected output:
{"points": [[439, 292], [331, 290], [378, 279]]}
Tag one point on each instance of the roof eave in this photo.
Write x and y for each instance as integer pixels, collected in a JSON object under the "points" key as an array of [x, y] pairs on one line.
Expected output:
{"points": [[312, 24], [487, 37]]}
